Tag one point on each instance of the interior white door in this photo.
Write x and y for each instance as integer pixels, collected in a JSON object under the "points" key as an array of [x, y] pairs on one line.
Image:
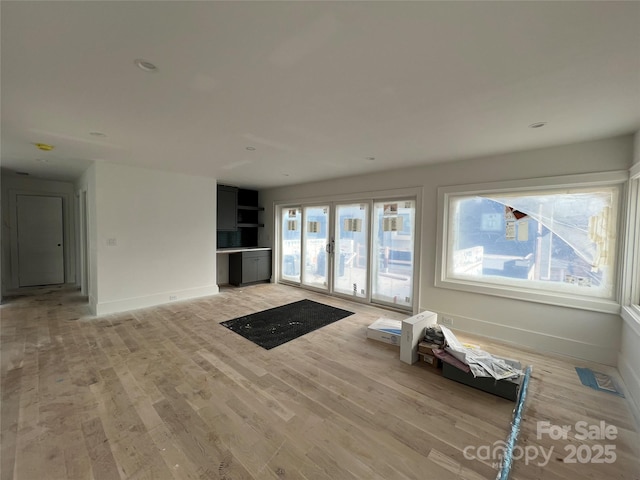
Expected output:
{"points": [[40, 240]]}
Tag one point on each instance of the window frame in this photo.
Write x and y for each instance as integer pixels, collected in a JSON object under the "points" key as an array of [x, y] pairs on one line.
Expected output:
{"points": [[616, 179], [631, 255]]}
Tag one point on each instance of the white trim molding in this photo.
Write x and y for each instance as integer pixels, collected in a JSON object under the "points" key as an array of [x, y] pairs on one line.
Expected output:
{"points": [[105, 308], [629, 357]]}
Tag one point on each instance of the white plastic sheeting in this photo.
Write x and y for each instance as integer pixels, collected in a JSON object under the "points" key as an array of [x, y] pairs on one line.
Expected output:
{"points": [[584, 220]]}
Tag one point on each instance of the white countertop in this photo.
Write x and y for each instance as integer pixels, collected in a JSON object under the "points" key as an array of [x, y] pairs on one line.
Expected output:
{"points": [[241, 249]]}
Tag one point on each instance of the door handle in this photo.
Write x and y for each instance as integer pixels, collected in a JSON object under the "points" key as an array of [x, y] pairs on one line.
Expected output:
{"points": [[330, 247]]}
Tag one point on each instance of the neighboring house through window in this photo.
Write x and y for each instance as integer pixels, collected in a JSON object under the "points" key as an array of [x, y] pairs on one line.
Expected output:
{"points": [[551, 240]]}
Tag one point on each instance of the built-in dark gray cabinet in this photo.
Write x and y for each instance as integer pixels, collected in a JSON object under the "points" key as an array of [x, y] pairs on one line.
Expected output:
{"points": [[227, 209], [250, 266], [242, 229]]}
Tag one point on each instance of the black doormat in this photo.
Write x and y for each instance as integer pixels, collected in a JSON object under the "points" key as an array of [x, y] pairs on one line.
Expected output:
{"points": [[279, 325]]}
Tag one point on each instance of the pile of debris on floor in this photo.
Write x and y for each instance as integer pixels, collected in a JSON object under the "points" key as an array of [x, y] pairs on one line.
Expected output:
{"points": [[422, 339], [477, 368]]}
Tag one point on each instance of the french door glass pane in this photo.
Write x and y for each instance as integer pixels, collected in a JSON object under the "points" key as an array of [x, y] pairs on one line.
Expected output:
{"points": [[291, 243], [350, 258], [393, 247], [316, 238]]}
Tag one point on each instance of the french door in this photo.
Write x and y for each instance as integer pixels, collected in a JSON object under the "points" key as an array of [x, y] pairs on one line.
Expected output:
{"points": [[351, 253], [359, 249], [394, 243]]}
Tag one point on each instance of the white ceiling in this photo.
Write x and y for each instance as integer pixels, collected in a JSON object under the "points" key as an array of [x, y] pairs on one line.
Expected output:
{"points": [[314, 87]]}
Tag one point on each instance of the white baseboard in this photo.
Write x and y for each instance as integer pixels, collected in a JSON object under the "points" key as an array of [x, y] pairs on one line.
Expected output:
{"points": [[535, 340], [125, 304]]}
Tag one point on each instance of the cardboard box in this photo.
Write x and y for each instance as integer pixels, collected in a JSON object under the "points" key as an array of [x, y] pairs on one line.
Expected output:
{"points": [[427, 348], [385, 330], [430, 361], [413, 332], [503, 388]]}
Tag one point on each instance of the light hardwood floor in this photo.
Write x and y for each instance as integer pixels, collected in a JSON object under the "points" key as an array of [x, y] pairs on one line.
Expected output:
{"points": [[167, 392]]}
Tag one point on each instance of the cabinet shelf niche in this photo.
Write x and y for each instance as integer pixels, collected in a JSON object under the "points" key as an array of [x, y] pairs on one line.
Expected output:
{"points": [[238, 217]]}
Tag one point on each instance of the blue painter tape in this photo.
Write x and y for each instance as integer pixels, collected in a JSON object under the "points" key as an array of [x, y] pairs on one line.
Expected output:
{"points": [[507, 459], [598, 381]]}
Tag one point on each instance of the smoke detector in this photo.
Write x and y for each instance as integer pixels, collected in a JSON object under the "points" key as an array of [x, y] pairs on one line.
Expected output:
{"points": [[145, 65]]}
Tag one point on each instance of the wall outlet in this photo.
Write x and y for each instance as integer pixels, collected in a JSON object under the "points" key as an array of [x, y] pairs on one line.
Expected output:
{"points": [[446, 321], [173, 297]]}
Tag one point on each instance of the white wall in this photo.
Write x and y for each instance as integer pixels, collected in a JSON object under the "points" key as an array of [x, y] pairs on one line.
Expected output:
{"points": [[87, 183], [629, 359], [13, 186], [583, 334], [164, 226]]}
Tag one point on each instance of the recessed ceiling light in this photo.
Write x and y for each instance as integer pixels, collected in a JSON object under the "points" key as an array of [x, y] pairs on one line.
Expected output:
{"points": [[371, 158], [145, 65], [98, 134], [251, 149], [537, 125]]}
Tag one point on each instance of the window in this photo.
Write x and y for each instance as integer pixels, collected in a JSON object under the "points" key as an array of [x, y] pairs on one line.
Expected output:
{"points": [[550, 240]]}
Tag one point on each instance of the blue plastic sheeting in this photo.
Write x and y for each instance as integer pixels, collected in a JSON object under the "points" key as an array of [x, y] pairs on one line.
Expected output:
{"points": [[507, 459], [598, 381]]}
